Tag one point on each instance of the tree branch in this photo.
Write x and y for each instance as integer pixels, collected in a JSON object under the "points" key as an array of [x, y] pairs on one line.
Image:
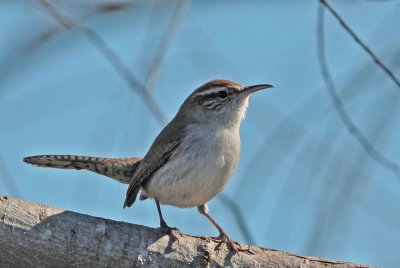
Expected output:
{"points": [[368, 147], [155, 67], [100, 44], [361, 43], [34, 235]]}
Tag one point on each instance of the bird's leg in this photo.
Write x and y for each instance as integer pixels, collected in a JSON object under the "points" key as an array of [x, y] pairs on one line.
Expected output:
{"points": [[203, 209], [171, 231]]}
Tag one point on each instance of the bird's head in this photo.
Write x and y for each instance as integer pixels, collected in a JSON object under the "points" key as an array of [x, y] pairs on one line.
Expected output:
{"points": [[219, 101]]}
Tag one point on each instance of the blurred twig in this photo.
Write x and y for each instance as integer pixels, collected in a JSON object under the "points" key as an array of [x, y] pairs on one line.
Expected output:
{"points": [[99, 43], [332, 200], [215, 60], [339, 107], [361, 43], [154, 71], [238, 215]]}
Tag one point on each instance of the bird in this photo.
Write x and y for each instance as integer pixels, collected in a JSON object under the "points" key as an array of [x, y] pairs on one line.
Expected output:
{"points": [[191, 160]]}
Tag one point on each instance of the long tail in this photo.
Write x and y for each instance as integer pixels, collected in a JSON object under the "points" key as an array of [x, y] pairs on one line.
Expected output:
{"points": [[120, 169]]}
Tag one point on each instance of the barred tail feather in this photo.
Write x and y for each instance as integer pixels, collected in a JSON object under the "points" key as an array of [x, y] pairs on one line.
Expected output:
{"points": [[120, 169]]}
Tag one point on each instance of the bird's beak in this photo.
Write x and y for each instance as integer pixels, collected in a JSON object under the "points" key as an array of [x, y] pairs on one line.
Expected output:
{"points": [[246, 91]]}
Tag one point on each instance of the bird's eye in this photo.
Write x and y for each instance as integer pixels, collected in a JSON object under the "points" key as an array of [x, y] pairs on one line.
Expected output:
{"points": [[222, 94]]}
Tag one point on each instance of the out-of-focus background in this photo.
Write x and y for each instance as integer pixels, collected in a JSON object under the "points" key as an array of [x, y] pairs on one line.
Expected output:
{"points": [[319, 171]]}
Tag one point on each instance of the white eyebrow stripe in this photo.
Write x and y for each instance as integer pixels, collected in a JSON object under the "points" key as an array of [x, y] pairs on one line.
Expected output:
{"points": [[209, 91]]}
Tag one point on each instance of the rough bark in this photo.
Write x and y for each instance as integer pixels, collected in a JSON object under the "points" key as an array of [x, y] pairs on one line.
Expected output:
{"points": [[34, 235]]}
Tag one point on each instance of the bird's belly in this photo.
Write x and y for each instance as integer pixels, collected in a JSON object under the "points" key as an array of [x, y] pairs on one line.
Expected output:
{"points": [[196, 174]]}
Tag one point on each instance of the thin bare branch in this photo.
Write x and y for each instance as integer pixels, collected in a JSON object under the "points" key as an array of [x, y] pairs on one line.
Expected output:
{"points": [[361, 43], [170, 33], [214, 57], [237, 213], [99, 43], [377, 156], [332, 204]]}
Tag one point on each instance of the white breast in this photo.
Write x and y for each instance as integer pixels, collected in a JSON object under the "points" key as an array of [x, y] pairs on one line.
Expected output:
{"points": [[199, 170]]}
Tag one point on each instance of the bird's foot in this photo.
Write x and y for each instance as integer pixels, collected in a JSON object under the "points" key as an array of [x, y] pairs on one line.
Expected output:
{"points": [[224, 238], [172, 232]]}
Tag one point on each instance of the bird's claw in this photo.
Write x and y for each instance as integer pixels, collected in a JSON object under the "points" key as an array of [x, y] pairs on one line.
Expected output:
{"points": [[172, 232], [224, 238], [248, 250]]}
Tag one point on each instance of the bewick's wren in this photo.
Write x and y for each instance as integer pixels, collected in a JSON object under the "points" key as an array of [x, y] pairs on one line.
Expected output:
{"points": [[190, 161]]}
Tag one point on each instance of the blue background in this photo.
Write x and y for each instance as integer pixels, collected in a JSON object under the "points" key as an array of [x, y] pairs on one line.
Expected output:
{"points": [[304, 183]]}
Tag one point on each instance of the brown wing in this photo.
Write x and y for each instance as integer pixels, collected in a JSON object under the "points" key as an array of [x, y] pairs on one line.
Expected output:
{"points": [[160, 152]]}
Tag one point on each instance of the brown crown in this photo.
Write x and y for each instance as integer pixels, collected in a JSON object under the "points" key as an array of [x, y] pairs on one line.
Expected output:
{"points": [[218, 83]]}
